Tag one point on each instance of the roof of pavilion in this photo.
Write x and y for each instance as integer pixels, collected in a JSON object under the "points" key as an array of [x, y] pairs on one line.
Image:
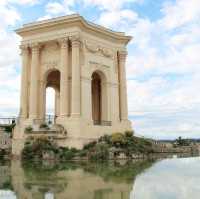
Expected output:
{"points": [[72, 19]]}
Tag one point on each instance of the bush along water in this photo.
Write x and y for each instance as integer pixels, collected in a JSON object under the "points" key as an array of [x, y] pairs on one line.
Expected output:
{"points": [[117, 145]]}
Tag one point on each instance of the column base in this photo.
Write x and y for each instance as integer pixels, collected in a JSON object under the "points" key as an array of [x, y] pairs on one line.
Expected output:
{"points": [[75, 115]]}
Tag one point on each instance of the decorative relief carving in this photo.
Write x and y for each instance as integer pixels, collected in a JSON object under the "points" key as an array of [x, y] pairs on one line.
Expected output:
{"points": [[91, 47], [94, 48], [95, 64], [51, 64], [106, 52]]}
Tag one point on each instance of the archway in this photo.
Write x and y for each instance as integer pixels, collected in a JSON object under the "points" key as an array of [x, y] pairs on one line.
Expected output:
{"points": [[52, 99], [99, 98]]}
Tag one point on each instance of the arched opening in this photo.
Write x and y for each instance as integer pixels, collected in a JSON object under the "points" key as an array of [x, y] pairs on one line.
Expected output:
{"points": [[52, 102], [96, 98], [100, 113]]}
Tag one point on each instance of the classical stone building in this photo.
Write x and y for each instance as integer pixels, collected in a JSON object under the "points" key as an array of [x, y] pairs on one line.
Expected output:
{"points": [[85, 64]]}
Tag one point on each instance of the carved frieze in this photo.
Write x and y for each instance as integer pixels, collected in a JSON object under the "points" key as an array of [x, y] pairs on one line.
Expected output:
{"points": [[97, 65], [91, 47], [94, 48], [51, 64]]}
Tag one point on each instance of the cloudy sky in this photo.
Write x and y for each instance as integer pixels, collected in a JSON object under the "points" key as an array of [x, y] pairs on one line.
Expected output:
{"points": [[163, 67]]}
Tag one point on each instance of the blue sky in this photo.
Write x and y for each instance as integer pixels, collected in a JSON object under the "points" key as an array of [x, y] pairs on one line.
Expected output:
{"points": [[163, 66]]}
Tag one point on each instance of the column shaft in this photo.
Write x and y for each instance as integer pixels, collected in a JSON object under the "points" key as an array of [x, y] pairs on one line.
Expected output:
{"points": [[64, 85], [122, 85], [24, 83], [33, 112], [76, 90]]}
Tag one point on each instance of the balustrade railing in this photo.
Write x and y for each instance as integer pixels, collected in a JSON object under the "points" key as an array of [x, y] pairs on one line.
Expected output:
{"points": [[50, 119], [7, 120], [102, 123]]}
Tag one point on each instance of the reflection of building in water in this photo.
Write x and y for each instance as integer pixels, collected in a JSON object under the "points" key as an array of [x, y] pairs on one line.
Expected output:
{"points": [[65, 184], [5, 183], [5, 139], [5, 176]]}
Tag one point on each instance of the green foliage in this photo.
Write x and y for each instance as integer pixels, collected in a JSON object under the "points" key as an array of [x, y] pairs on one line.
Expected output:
{"points": [[182, 142], [7, 185], [9, 129], [28, 129], [106, 139], [89, 145], [35, 149], [66, 155], [100, 152], [118, 139], [129, 133], [2, 154], [44, 126], [83, 153], [96, 150]]}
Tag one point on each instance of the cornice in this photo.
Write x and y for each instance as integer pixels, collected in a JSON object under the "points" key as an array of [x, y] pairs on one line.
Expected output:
{"points": [[71, 19]]}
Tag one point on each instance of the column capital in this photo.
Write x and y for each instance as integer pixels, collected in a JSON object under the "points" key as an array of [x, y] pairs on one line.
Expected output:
{"points": [[75, 40], [63, 42], [24, 49], [122, 55], [35, 47]]}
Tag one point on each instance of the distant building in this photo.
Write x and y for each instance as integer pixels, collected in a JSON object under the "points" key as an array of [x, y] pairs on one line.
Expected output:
{"points": [[5, 140]]}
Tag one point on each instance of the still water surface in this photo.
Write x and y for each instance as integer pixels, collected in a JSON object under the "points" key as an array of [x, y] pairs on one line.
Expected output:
{"points": [[164, 179]]}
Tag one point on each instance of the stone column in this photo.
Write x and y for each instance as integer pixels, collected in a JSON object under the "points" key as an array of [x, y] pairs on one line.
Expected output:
{"points": [[57, 103], [76, 90], [122, 85], [24, 83], [64, 86], [33, 112]]}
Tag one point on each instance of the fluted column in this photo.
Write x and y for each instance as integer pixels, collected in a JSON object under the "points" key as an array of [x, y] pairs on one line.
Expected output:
{"points": [[122, 85], [33, 111], [64, 85], [76, 90], [24, 83]]}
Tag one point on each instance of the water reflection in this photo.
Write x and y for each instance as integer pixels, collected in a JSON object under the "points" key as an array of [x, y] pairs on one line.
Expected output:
{"points": [[69, 181], [169, 179], [165, 179]]}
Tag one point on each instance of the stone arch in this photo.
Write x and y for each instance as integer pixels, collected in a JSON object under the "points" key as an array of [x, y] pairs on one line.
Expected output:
{"points": [[99, 97], [52, 79]]}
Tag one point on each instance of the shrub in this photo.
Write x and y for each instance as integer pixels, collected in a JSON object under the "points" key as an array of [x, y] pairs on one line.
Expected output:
{"points": [[106, 139], [82, 153], [36, 148], [117, 139], [101, 152], [9, 129], [67, 155], [44, 126], [129, 133], [28, 129], [89, 145]]}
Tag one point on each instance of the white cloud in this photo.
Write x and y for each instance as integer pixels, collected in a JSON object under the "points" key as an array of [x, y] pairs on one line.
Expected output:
{"points": [[180, 13], [9, 59]]}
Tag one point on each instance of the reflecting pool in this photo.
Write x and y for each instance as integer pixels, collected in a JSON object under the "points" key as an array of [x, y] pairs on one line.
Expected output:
{"points": [[163, 179]]}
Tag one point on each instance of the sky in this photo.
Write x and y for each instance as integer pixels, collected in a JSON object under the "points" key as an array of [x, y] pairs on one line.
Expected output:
{"points": [[163, 65]]}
